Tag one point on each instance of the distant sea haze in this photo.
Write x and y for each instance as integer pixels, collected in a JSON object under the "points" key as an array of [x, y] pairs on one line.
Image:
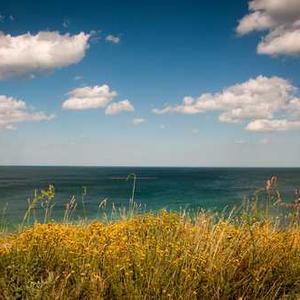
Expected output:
{"points": [[156, 188]]}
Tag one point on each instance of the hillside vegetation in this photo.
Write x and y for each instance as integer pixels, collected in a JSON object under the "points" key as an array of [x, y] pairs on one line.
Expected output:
{"points": [[165, 255]]}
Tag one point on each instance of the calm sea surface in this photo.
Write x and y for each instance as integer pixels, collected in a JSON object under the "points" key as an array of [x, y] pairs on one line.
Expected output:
{"points": [[171, 188]]}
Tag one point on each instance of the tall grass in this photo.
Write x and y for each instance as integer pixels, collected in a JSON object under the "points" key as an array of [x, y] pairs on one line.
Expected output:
{"points": [[250, 254]]}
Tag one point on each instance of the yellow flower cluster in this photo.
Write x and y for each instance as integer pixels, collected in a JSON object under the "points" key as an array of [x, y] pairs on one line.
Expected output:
{"points": [[152, 256]]}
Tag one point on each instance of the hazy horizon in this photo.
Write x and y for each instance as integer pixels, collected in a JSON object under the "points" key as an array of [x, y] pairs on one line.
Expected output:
{"points": [[156, 166]]}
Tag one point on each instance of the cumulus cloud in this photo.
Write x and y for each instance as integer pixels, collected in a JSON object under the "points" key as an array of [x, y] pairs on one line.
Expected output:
{"points": [[13, 111], [89, 97], [272, 125], [294, 107], [112, 39], [117, 107], [93, 97], [281, 21], [259, 99], [138, 121], [31, 53], [281, 41], [255, 21]]}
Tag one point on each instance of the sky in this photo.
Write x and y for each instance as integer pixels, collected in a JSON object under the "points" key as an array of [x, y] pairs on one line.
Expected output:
{"points": [[150, 83]]}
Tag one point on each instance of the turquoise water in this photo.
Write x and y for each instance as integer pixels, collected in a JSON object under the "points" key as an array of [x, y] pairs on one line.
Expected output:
{"points": [[171, 188]]}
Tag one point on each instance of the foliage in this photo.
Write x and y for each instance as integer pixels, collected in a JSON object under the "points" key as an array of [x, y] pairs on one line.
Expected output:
{"points": [[161, 255]]}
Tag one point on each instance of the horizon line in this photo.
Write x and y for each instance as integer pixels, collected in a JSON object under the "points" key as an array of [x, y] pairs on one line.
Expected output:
{"points": [[152, 166]]}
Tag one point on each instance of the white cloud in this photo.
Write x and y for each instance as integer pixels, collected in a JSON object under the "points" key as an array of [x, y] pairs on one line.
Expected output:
{"points": [[138, 121], [256, 98], [30, 53], [255, 21], [281, 41], [260, 98], [89, 98], [113, 39], [272, 125], [93, 97], [117, 107], [294, 107], [13, 111], [281, 19]]}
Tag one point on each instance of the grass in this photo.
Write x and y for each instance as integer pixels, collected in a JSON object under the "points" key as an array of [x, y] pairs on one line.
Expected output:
{"points": [[252, 254]]}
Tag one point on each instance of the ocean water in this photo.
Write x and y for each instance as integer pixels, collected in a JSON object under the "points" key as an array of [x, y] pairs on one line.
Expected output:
{"points": [[156, 188]]}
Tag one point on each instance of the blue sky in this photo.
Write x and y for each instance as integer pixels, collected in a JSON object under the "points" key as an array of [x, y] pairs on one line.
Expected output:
{"points": [[153, 54]]}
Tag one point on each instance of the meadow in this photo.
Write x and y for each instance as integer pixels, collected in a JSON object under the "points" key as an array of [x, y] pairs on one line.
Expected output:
{"points": [[252, 252]]}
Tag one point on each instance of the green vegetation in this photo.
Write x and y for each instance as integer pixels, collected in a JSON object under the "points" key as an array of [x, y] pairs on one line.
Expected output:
{"points": [[250, 254]]}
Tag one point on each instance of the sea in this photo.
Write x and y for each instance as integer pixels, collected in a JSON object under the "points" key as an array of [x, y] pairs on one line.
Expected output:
{"points": [[156, 188]]}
